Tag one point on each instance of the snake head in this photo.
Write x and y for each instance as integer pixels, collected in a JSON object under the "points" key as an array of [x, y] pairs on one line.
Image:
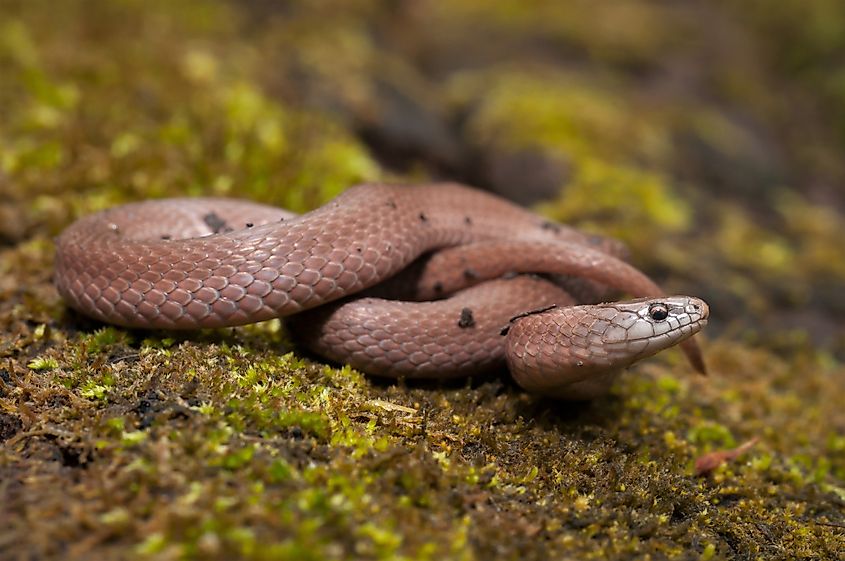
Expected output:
{"points": [[669, 317], [553, 350], [644, 326]]}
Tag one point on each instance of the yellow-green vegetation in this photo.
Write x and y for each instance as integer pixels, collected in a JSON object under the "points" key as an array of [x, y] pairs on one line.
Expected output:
{"points": [[230, 443]]}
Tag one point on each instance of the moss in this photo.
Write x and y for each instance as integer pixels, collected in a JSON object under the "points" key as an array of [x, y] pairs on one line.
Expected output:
{"points": [[229, 444]]}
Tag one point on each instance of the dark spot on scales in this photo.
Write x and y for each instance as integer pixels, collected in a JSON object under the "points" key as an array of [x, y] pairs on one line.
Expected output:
{"points": [[470, 274], [467, 220], [550, 226], [466, 319], [423, 217], [166, 237], [535, 311], [391, 204], [249, 224], [217, 224], [438, 287]]}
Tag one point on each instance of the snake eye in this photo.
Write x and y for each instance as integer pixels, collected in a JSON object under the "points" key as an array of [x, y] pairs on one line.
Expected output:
{"points": [[658, 312]]}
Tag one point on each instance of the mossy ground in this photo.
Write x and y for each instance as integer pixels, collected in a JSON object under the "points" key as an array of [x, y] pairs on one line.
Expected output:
{"points": [[229, 444]]}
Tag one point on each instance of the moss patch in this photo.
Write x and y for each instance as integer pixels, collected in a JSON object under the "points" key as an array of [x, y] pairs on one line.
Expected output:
{"points": [[228, 444]]}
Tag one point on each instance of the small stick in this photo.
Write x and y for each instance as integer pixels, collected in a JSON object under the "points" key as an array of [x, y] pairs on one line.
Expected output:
{"points": [[710, 461]]}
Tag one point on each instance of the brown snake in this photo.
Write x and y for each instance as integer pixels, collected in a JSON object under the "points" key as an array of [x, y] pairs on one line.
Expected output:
{"points": [[194, 263]]}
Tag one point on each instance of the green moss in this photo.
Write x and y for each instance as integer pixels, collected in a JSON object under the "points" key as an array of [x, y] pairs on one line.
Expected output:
{"points": [[43, 363], [559, 112], [599, 134], [228, 444], [641, 202]]}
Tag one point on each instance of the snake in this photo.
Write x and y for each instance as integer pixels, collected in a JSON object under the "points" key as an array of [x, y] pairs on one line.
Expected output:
{"points": [[483, 282]]}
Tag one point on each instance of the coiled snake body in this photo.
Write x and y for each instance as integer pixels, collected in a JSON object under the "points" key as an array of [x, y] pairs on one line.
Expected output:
{"points": [[194, 263]]}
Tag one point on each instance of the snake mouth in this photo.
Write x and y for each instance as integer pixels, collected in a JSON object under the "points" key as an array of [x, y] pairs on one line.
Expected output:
{"points": [[634, 349], [685, 330]]}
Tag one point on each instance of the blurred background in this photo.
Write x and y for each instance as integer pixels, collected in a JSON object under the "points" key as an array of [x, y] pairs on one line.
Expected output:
{"points": [[708, 135]]}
